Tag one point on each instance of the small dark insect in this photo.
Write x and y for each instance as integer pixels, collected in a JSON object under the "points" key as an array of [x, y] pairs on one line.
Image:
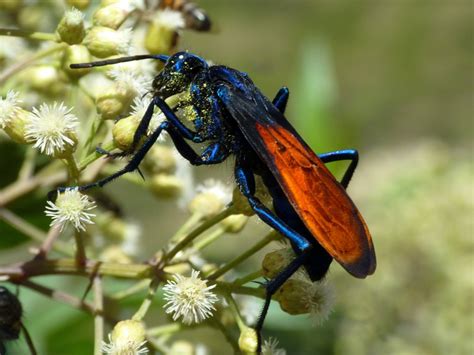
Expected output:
{"points": [[195, 18], [10, 317], [310, 207]]}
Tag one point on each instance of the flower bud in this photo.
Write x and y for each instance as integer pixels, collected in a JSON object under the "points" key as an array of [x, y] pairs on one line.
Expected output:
{"points": [[111, 16], [211, 199], [162, 33], [124, 131], [75, 54], [291, 296], [274, 262], [71, 27], [15, 126], [114, 254], [160, 159], [45, 79], [248, 340], [78, 4], [127, 337], [234, 223], [181, 347], [114, 102], [165, 185], [241, 203], [68, 148], [104, 42]]}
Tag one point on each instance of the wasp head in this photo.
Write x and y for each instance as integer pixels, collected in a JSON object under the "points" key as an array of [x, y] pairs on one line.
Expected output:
{"points": [[179, 71]]}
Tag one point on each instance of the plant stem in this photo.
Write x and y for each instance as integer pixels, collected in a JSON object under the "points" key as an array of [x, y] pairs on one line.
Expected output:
{"points": [[38, 267], [98, 315], [15, 68], [137, 287], [209, 238], [247, 278], [194, 219], [72, 168], [262, 243], [28, 164], [94, 155], [41, 36], [164, 329], [145, 306], [197, 231]]}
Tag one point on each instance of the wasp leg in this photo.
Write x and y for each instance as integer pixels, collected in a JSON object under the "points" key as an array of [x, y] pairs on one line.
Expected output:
{"points": [[281, 99], [338, 155], [213, 154], [246, 182]]}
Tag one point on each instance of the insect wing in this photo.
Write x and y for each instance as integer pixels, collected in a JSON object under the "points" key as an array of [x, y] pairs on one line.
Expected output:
{"points": [[318, 198]]}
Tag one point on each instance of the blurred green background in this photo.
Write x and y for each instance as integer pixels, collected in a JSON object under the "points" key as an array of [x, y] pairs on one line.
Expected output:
{"points": [[393, 79]]}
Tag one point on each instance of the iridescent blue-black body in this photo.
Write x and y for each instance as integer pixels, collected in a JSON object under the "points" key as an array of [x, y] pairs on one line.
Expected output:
{"points": [[10, 317]]}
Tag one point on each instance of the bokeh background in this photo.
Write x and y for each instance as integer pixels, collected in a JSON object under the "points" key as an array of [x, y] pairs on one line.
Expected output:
{"points": [[393, 79]]}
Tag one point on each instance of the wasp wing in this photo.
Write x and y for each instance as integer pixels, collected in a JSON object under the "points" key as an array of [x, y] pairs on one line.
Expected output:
{"points": [[319, 199]]}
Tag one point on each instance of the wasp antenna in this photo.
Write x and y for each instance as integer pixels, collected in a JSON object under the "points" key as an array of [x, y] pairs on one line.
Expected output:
{"points": [[101, 63]]}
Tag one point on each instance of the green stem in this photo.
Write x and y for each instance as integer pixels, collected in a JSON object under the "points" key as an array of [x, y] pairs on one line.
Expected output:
{"points": [[164, 329], [94, 156], [41, 36], [28, 164], [98, 315], [38, 267], [194, 219], [145, 306], [209, 238], [31, 231], [72, 168], [137, 287], [247, 278], [234, 310], [262, 243], [196, 232], [15, 68], [80, 250]]}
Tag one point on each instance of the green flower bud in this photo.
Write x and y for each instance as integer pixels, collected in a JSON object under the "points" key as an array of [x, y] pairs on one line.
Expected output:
{"points": [[248, 340], [234, 223], [291, 296], [241, 203], [114, 102], [165, 185], [111, 16], [75, 54], [160, 159], [181, 347], [274, 262], [68, 148], [78, 4], [162, 33], [15, 126], [127, 337], [45, 79], [104, 42], [71, 27], [124, 131]]}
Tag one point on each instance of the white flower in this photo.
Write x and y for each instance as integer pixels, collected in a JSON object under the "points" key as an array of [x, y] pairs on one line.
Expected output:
{"points": [[189, 298], [320, 298], [127, 338], [74, 17], [212, 196], [170, 19], [71, 207], [8, 107], [217, 188], [139, 107], [130, 79], [270, 347], [51, 128]]}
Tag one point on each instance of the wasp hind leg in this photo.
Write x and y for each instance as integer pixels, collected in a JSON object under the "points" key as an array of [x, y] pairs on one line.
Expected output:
{"points": [[338, 155]]}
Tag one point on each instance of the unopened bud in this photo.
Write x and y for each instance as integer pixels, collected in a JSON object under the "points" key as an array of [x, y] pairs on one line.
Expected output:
{"points": [[160, 159], [274, 262], [114, 102], [206, 204], [165, 185], [104, 42], [234, 223], [162, 33], [45, 79], [127, 337], [75, 54], [79, 4], [292, 296], [124, 131], [15, 126], [71, 27], [241, 203], [181, 347], [111, 16], [248, 340]]}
